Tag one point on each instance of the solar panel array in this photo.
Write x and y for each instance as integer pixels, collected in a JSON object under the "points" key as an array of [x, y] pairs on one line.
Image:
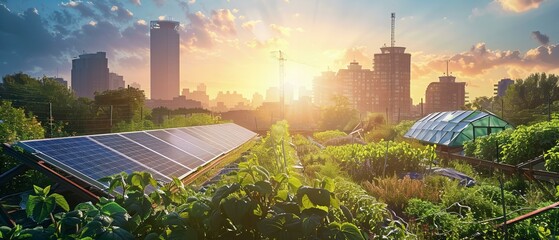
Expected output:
{"points": [[164, 153]]}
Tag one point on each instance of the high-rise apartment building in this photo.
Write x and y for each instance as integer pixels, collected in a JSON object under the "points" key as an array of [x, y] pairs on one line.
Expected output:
{"points": [[355, 83], [324, 88], [502, 86], [164, 59], [115, 81], [391, 83], [445, 95], [90, 74]]}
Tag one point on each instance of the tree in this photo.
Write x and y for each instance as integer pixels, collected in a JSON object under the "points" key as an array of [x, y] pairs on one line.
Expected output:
{"points": [[16, 126], [43, 97], [338, 116]]}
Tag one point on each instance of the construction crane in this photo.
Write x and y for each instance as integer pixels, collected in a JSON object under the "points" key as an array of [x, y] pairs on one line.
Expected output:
{"points": [[280, 56]]}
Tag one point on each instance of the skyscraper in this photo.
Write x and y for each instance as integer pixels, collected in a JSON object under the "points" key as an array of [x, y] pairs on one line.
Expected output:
{"points": [[164, 59], [391, 82], [90, 74]]}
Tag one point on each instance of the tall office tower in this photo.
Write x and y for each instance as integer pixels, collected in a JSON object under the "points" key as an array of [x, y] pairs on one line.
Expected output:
{"points": [[115, 81], [90, 74], [445, 95], [164, 59], [355, 84]]}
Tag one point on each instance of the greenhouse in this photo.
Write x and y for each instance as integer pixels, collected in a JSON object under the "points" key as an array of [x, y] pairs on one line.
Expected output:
{"points": [[453, 128]]}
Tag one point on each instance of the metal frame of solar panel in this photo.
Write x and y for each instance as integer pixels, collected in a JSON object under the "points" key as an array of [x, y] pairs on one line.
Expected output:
{"points": [[165, 153]]}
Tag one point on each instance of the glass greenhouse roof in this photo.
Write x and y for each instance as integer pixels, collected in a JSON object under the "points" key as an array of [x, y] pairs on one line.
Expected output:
{"points": [[455, 127]]}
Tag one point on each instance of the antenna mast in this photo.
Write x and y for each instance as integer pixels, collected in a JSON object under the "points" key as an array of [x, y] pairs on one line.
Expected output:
{"points": [[392, 40]]}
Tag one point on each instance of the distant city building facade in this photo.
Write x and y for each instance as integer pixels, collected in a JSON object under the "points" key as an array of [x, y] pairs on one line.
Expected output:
{"points": [[257, 100], [90, 74], [272, 94], [61, 81], [355, 83], [116, 81], [199, 95], [391, 83], [502, 86], [324, 88], [136, 85], [164, 59], [445, 95]]}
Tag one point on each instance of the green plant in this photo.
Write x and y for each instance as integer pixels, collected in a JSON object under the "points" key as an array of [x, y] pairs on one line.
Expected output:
{"points": [[396, 192]]}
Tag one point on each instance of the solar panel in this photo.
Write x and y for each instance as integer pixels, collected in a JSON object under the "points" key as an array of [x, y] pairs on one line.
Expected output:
{"points": [[182, 144], [164, 165], [165, 149], [164, 153], [86, 159]]}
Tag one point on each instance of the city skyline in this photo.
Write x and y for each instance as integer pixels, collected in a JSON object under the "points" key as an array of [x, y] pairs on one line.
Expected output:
{"points": [[227, 44]]}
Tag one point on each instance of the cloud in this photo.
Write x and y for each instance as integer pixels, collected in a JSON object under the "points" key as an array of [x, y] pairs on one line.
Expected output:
{"points": [[42, 44], [358, 54], [249, 25], [519, 6], [136, 2], [540, 37], [224, 21], [204, 32], [84, 9]]}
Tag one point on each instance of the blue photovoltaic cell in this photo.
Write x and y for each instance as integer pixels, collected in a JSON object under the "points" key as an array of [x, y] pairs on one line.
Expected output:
{"points": [[206, 137], [182, 144], [220, 135], [87, 157], [141, 154], [216, 134], [163, 153], [165, 149], [206, 145]]}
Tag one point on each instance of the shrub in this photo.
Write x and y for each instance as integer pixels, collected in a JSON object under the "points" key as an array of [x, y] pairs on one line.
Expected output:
{"points": [[324, 136], [396, 192]]}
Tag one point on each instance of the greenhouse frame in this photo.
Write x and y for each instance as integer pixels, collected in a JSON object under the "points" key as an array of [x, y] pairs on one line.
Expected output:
{"points": [[453, 128]]}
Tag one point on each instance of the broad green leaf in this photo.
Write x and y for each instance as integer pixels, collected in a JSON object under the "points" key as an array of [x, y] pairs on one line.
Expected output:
{"points": [[92, 229], [310, 224], [316, 196], [223, 192], [112, 208], [172, 219], [38, 190], [40, 208], [282, 194], [294, 183], [60, 201], [281, 226], [116, 233], [236, 209]]}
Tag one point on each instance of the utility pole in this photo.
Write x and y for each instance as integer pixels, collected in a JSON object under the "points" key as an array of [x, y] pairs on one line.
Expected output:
{"points": [[50, 113], [111, 117]]}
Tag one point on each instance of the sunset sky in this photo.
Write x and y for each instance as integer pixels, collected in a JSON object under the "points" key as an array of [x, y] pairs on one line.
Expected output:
{"points": [[229, 44]]}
